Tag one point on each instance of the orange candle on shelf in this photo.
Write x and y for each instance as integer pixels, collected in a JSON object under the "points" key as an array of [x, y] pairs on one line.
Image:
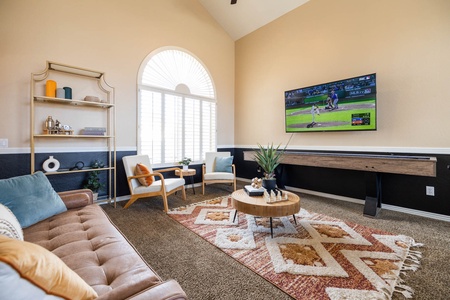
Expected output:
{"points": [[50, 88]]}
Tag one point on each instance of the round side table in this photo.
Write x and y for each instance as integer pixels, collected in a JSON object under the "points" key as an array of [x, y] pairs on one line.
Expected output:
{"points": [[188, 173]]}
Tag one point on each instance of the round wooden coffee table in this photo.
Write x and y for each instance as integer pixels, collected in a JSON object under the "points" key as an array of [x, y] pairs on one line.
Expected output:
{"points": [[257, 206]]}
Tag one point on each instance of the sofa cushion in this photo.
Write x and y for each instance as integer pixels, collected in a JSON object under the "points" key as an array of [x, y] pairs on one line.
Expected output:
{"points": [[9, 225], [89, 244], [41, 268], [223, 164], [31, 198]]}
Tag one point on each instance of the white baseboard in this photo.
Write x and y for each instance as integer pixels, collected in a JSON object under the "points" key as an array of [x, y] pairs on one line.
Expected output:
{"points": [[384, 206]]}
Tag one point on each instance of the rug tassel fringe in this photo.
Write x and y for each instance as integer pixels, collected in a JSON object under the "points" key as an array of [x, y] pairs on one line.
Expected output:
{"points": [[411, 263], [386, 293], [414, 244], [405, 290]]}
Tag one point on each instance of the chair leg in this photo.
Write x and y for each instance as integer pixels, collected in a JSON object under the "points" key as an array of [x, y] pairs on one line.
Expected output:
{"points": [[203, 187], [183, 193], [166, 205], [131, 201]]}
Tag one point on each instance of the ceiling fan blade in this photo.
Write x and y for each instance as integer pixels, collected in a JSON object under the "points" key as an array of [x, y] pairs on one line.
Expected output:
{"points": [[233, 1]]}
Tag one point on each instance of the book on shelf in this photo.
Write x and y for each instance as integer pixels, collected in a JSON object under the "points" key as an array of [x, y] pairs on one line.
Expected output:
{"points": [[93, 131], [251, 191], [95, 128]]}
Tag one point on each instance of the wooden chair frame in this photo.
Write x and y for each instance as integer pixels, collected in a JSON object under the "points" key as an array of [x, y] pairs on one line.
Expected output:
{"points": [[161, 192], [205, 182], [212, 181]]}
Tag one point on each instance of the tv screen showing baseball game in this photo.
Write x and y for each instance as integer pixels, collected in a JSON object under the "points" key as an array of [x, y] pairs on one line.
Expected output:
{"points": [[343, 105]]}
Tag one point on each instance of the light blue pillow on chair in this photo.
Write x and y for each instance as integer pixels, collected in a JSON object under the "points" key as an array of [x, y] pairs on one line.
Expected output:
{"points": [[31, 198], [223, 164]]}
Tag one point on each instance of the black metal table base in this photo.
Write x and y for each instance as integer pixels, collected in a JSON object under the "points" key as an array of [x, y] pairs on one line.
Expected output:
{"points": [[270, 218], [192, 183]]}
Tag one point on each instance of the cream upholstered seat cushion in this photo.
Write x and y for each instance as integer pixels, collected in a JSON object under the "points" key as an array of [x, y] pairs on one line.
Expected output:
{"points": [[171, 183], [218, 176]]}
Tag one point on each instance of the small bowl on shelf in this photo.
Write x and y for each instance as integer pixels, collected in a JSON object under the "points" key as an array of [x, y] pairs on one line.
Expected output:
{"points": [[92, 99]]}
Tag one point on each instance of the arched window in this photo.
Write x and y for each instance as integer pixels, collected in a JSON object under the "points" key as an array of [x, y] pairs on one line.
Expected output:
{"points": [[176, 107]]}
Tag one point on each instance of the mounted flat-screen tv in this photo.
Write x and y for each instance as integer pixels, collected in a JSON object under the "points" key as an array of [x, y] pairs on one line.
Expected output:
{"points": [[343, 105]]}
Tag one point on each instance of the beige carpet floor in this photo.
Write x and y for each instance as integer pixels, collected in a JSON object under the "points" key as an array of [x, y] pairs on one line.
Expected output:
{"points": [[205, 272]]}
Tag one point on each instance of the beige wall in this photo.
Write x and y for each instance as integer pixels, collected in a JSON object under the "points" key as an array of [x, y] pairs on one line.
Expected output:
{"points": [[407, 43], [113, 36]]}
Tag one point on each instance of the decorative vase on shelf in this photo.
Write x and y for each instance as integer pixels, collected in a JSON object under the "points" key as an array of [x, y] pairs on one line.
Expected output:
{"points": [[49, 123], [51, 165]]}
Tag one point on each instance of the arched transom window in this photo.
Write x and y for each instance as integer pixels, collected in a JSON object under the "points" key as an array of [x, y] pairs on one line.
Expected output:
{"points": [[176, 107]]}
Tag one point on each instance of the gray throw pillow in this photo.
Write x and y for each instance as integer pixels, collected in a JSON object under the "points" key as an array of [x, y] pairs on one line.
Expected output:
{"points": [[223, 164]]}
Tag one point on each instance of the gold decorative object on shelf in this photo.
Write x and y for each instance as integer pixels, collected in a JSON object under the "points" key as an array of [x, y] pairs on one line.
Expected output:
{"points": [[58, 131], [52, 127]]}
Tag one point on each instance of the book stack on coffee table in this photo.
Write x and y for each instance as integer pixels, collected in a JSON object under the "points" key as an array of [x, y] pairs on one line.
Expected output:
{"points": [[251, 191]]}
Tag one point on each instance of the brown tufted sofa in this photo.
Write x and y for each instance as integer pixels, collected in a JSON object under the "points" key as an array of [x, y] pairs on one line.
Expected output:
{"points": [[89, 243]]}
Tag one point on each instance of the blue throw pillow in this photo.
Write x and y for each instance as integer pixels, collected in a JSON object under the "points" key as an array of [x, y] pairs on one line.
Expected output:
{"points": [[223, 164], [31, 198]]}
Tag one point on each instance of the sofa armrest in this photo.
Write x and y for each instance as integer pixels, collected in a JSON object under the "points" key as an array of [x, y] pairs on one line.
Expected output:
{"points": [[167, 290], [77, 198]]}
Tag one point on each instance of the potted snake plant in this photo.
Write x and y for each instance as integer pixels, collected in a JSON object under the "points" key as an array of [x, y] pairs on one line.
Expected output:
{"points": [[268, 159]]}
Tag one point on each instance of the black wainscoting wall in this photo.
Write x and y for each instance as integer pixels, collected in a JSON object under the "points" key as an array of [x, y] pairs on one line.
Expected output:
{"points": [[399, 190], [19, 164]]}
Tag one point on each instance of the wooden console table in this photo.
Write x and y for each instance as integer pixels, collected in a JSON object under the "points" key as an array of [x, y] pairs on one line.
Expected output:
{"points": [[375, 163]]}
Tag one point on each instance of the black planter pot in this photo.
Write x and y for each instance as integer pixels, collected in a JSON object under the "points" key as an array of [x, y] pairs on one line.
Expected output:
{"points": [[269, 184]]}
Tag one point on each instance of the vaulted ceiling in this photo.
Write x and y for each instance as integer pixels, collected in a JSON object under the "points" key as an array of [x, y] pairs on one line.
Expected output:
{"points": [[246, 16]]}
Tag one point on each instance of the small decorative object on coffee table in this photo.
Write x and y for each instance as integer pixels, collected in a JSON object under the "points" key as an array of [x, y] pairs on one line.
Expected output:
{"points": [[275, 196], [256, 183]]}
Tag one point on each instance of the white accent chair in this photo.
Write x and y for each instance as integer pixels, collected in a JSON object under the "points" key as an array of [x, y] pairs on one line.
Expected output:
{"points": [[163, 187], [209, 176]]}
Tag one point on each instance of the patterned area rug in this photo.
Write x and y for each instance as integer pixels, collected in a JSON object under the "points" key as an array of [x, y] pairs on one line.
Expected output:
{"points": [[319, 258]]}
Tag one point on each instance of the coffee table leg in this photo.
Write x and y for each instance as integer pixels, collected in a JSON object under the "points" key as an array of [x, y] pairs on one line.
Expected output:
{"points": [[235, 213], [295, 220], [271, 228]]}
